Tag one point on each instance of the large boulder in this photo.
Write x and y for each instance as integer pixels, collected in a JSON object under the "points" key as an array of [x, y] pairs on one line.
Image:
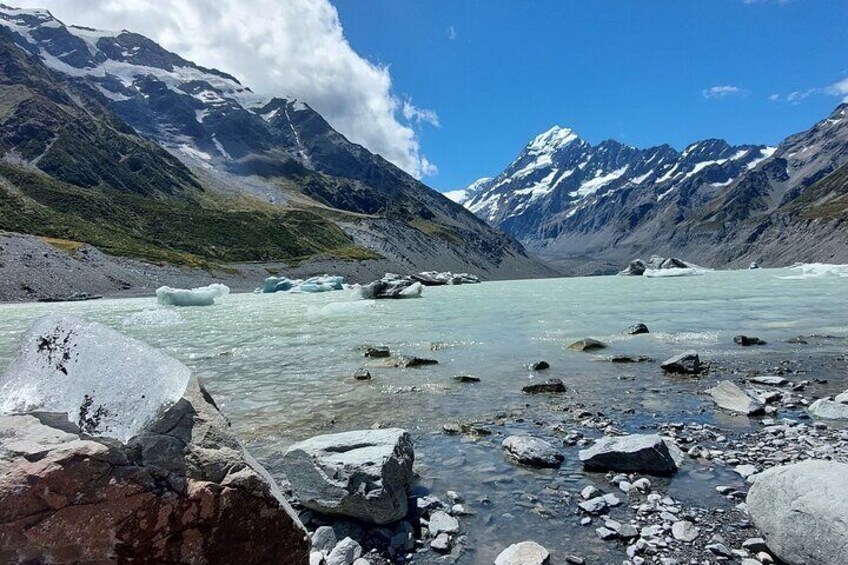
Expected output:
{"points": [[829, 409], [532, 451], [730, 397], [181, 491], [637, 453], [686, 363], [801, 511], [523, 553], [361, 474]]}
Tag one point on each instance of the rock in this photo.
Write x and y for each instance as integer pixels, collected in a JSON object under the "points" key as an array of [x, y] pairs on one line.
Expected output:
{"points": [[746, 341], [605, 533], [466, 379], [317, 558], [587, 344], [683, 530], [550, 386], [361, 561], [638, 453], [755, 545], [324, 539], [800, 511], [769, 380], [377, 352], [106, 383], [345, 553], [636, 268], [532, 451], [588, 492], [745, 471], [442, 522], [362, 474], [687, 363], [829, 409], [183, 486], [842, 398], [441, 543], [407, 361], [539, 366], [719, 549], [523, 553], [637, 329], [642, 485], [730, 397], [362, 374], [630, 359]]}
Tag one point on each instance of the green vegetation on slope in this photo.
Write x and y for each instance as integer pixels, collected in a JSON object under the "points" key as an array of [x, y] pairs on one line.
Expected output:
{"points": [[177, 230]]}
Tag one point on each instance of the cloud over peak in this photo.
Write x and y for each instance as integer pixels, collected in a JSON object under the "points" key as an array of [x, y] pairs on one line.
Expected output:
{"points": [[295, 48], [723, 91]]}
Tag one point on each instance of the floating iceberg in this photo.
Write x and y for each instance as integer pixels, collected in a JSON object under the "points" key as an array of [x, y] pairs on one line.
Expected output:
{"points": [[107, 383], [434, 278], [658, 267], [391, 286], [202, 296], [325, 283], [815, 271]]}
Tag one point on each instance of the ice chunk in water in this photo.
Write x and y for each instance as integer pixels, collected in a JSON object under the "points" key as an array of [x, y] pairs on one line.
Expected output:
{"points": [[202, 296], [108, 384], [324, 283]]}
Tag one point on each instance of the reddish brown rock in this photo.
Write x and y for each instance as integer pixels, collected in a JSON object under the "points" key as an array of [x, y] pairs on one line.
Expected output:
{"points": [[182, 491]]}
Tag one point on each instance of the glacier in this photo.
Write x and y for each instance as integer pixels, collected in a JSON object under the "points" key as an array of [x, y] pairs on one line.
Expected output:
{"points": [[201, 296], [108, 384]]}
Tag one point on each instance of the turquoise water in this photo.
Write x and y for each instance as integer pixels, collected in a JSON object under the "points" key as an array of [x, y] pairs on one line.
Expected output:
{"points": [[279, 366]]}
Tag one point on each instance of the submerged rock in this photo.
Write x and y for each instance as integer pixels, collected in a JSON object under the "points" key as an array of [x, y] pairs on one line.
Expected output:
{"points": [[407, 361], [637, 453], [376, 352], [182, 487], [104, 382], [630, 359], [730, 397], [551, 386], [532, 451], [539, 366], [362, 474], [362, 374], [800, 510], [466, 379], [829, 409], [637, 329], [523, 553], [687, 363], [746, 341], [587, 344]]}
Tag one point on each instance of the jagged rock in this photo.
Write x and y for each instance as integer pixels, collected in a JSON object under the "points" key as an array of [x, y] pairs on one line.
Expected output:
{"points": [[442, 522], [532, 451], [345, 552], [829, 409], [362, 474], [441, 543], [587, 344], [638, 453], [362, 374], [376, 352], [637, 329], [730, 397], [687, 363], [523, 553], [550, 386], [182, 488], [769, 380], [800, 511], [683, 530], [746, 341]]}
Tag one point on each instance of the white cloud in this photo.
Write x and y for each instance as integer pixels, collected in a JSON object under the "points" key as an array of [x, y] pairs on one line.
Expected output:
{"points": [[451, 33], [288, 48], [721, 92], [839, 88], [774, 97]]}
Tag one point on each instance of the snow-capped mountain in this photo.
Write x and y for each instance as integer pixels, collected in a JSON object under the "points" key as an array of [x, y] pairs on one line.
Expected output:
{"points": [[224, 140], [591, 207], [558, 174]]}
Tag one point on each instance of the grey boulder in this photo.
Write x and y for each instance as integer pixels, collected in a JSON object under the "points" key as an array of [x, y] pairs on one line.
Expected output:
{"points": [[532, 451], [687, 363], [829, 409], [637, 453], [523, 553], [800, 509], [361, 474], [730, 397]]}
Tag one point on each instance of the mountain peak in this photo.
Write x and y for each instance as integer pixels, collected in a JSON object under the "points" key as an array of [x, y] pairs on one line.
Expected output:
{"points": [[552, 139]]}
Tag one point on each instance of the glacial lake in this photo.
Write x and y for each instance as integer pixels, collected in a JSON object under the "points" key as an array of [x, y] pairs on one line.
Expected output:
{"points": [[280, 367]]}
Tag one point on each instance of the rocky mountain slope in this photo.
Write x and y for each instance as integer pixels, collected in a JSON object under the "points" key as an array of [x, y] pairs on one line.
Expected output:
{"points": [[111, 140], [592, 208]]}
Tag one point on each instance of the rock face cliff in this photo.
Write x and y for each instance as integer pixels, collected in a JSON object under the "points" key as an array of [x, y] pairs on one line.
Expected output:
{"points": [[592, 208], [111, 140]]}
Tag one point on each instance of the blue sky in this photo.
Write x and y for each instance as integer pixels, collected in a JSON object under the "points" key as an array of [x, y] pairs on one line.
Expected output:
{"points": [[497, 72]]}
